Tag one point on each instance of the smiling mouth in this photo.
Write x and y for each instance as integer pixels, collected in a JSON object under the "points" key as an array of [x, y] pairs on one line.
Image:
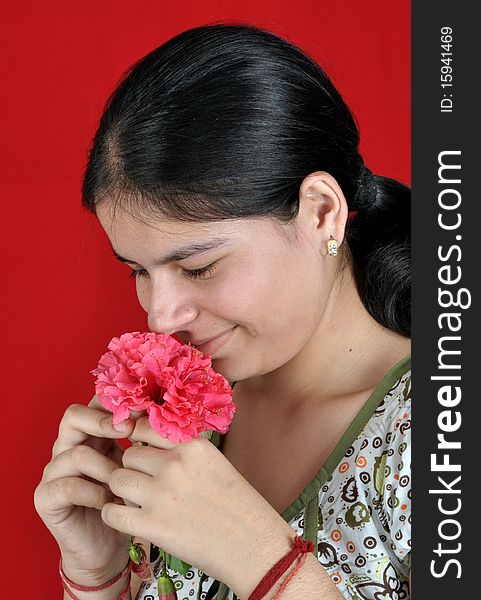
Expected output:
{"points": [[196, 344], [215, 343]]}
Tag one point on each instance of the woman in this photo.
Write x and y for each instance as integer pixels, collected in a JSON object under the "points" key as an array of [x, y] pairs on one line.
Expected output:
{"points": [[225, 171]]}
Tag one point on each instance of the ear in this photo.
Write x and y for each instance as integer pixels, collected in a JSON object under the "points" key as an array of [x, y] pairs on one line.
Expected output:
{"points": [[321, 199]]}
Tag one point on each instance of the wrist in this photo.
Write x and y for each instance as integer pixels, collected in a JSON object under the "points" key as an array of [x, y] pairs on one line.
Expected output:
{"points": [[96, 576], [112, 593], [264, 550], [113, 585], [121, 589]]}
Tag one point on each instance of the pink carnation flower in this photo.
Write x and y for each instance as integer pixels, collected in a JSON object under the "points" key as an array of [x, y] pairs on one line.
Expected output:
{"points": [[175, 383]]}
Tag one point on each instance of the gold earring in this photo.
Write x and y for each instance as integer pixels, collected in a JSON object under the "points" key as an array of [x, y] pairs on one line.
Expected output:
{"points": [[332, 246]]}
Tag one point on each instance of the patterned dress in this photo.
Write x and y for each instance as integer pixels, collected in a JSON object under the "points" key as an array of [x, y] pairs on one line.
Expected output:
{"points": [[356, 510]]}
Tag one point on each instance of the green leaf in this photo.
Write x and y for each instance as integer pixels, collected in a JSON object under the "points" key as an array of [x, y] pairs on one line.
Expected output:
{"points": [[176, 564]]}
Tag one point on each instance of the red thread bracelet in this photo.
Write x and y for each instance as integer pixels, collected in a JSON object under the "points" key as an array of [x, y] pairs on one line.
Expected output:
{"points": [[143, 570], [68, 582], [300, 547]]}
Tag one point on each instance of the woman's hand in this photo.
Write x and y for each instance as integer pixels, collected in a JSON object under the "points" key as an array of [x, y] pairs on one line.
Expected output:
{"points": [[195, 505], [74, 488]]}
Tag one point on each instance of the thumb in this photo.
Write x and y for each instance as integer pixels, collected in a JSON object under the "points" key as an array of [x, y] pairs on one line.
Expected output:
{"points": [[123, 426]]}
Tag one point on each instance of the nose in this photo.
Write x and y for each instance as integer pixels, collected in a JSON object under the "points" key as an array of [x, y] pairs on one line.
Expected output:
{"points": [[171, 309], [170, 324]]}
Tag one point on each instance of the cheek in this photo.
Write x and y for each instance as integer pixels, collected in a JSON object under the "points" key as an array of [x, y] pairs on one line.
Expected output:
{"points": [[228, 298], [277, 322], [225, 297], [297, 302], [282, 295]]}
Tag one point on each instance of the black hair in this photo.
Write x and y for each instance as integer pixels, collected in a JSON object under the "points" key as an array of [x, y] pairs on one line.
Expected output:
{"points": [[224, 121]]}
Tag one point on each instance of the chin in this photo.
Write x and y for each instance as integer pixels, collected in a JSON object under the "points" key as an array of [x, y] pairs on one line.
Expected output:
{"points": [[221, 365]]}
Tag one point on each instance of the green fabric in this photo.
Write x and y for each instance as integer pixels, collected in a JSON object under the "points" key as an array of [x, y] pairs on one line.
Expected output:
{"points": [[311, 517]]}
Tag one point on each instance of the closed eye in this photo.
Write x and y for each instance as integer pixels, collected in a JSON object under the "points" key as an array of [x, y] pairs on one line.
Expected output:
{"points": [[189, 274]]}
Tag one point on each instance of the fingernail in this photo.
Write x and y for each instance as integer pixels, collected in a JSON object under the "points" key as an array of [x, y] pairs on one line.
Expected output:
{"points": [[122, 426]]}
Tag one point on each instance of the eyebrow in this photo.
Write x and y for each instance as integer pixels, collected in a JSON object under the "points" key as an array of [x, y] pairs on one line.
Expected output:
{"points": [[180, 253]]}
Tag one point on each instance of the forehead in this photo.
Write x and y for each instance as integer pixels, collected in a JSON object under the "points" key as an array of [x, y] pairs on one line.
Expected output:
{"points": [[122, 224]]}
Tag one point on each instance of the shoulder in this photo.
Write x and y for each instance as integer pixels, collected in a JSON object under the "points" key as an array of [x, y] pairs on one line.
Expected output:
{"points": [[382, 460], [383, 436], [364, 506]]}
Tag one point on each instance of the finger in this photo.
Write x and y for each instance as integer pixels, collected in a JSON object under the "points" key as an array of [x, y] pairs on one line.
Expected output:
{"points": [[78, 461], [80, 421], [127, 519], [136, 414], [143, 459], [95, 402], [103, 444], [143, 432], [131, 485], [55, 496]]}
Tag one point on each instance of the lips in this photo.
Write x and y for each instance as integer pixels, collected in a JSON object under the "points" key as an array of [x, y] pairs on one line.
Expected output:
{"points": [[208, 339], [213, 344]]}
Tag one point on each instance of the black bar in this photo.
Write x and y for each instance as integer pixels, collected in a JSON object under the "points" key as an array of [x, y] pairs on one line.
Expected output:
{"points": [[446, 120]]}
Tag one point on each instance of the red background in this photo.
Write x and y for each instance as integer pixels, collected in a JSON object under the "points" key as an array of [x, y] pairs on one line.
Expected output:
{"points": [[64, 296]]}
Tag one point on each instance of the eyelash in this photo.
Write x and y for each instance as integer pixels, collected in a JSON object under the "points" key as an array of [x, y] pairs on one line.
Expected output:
{"points": [[189, 274]]}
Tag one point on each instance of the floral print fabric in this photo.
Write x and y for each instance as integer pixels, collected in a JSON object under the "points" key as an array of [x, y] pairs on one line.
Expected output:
{"points": [[364, 538], [364, 508]]}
